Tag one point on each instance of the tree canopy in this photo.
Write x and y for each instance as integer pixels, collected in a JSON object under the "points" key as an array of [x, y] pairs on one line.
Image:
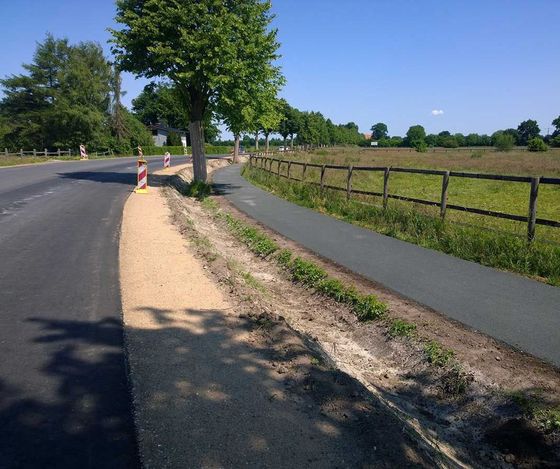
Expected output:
{"points": [[66, 97], [205, 48]]}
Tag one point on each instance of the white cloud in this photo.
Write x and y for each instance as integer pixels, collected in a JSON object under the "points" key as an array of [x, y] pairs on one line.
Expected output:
{"points": [[437, 112]]}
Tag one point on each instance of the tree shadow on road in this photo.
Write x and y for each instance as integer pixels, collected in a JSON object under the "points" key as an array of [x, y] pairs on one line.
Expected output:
{"points": [[75, 410]]}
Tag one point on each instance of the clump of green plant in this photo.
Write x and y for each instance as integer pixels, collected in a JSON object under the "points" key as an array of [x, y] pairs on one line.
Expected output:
{"points": [[504, 142], [437, 355], [532, 404], [284, 258], [197, 189], [256, 241], [400, 328], [455, 381], [307, 272], [537, 144], [369, 308]]}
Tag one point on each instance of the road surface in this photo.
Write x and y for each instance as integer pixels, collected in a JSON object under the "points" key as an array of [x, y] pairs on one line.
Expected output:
{"points": [[64, 396], [521, 312]]}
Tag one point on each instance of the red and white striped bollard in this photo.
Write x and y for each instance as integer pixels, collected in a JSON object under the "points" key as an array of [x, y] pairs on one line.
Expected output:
{"points": [[83, 153], [167, 160]]}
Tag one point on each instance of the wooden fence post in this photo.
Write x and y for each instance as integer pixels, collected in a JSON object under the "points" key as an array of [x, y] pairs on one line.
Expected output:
{"points": [[444, 186], [34, 152], [303, 172], [322, 177], [58, 151], [21, 152], [6, 151], [532, 219], [386, 174], [349, 182], [278, 171], [289, 166], [46, 152], [69, 152]]}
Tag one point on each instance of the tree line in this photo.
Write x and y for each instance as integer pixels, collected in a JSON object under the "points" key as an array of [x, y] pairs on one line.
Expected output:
{"points": [[527, 134]]}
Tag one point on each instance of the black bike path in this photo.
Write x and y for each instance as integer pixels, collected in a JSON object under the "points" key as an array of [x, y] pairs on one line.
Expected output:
{"points": [[521, 312]]}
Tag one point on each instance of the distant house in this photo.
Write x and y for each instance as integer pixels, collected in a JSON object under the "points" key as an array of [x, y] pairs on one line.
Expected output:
{"points": [[367, 135], [161, 131]]}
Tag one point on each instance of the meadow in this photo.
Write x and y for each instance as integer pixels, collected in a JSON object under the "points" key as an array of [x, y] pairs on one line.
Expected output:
{"points": [[491, 241]]}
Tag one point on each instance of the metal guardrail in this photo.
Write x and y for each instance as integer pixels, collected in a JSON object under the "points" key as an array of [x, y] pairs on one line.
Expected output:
{"points": [[265, 163]]}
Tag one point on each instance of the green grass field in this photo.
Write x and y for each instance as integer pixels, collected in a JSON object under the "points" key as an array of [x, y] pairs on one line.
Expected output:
{"points": [[499, 196], [487, 240]]}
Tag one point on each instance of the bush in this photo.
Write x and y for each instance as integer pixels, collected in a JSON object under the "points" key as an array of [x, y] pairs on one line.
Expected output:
{"points": [[174, 140], [555, 142], [537, 144], [504, 142]]}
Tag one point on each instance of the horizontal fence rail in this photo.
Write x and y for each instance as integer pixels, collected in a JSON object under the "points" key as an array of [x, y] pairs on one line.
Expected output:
{"points": [[46, 153], [266, 163]]}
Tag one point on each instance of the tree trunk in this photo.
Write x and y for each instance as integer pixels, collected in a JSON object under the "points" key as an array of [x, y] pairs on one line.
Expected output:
{"points": [[236, 148], [292, 142], [266, 142], [197, 142], [257, 140], [285, 142]]}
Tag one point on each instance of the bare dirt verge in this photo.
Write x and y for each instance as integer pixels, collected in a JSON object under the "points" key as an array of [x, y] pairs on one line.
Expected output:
{"points": [[218, 382], [481, 427]]}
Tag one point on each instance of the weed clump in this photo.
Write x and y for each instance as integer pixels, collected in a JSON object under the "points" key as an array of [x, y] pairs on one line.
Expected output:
{"points": [[400, 328], [197, 189], [437, 355], [307, 272]]}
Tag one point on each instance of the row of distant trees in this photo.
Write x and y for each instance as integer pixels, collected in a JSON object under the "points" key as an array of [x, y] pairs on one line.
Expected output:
{"points": [[527, 133]]}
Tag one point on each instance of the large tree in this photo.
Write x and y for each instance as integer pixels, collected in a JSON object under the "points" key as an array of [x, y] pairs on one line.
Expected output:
{"points": [[527, 130], [416, 136], [202, 46], [61, 100], [379, 131]]}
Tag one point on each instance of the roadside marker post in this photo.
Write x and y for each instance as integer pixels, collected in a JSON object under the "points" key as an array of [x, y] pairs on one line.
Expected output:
{"points": [[83, 153], [167, 160], [142, 185]]}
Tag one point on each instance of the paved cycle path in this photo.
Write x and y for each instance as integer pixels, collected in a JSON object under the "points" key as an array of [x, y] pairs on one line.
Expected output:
{"points": [[521, 312]]}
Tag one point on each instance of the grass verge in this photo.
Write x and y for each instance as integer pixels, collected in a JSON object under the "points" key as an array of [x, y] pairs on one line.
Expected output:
{"points": [[491, 248]]}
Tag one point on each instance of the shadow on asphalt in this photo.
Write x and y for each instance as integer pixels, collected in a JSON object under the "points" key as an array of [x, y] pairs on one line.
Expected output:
{"points": [[114, 177], [89, 424], [206, 394]]}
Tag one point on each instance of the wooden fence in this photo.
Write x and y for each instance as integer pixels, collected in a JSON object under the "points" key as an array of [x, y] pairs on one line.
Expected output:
{"points": [[531, 219], [46, 153]]}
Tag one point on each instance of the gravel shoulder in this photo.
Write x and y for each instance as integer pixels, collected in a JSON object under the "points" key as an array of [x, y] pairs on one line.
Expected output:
{"points": [[218, 383]]}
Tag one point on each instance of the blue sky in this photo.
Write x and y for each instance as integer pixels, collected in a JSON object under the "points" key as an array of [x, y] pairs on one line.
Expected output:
{"points": [[486, 64]]}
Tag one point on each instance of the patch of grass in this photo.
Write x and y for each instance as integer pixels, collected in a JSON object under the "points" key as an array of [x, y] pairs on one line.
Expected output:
{"points": [[210, 204], [258, 242], [532, 404], [438, 355], [400, 328], [197, 189], [307, 272], [252, 281], [284, 258], [420, 226], [369, 308], [477, 154], [455, 381]]}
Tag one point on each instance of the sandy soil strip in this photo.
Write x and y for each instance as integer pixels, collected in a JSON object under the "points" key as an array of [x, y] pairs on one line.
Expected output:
{"points": [[211, 389]]}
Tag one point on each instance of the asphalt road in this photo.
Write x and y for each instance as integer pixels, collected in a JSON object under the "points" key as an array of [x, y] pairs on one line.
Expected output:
{"points": [[64, 395], [516, 310]]}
